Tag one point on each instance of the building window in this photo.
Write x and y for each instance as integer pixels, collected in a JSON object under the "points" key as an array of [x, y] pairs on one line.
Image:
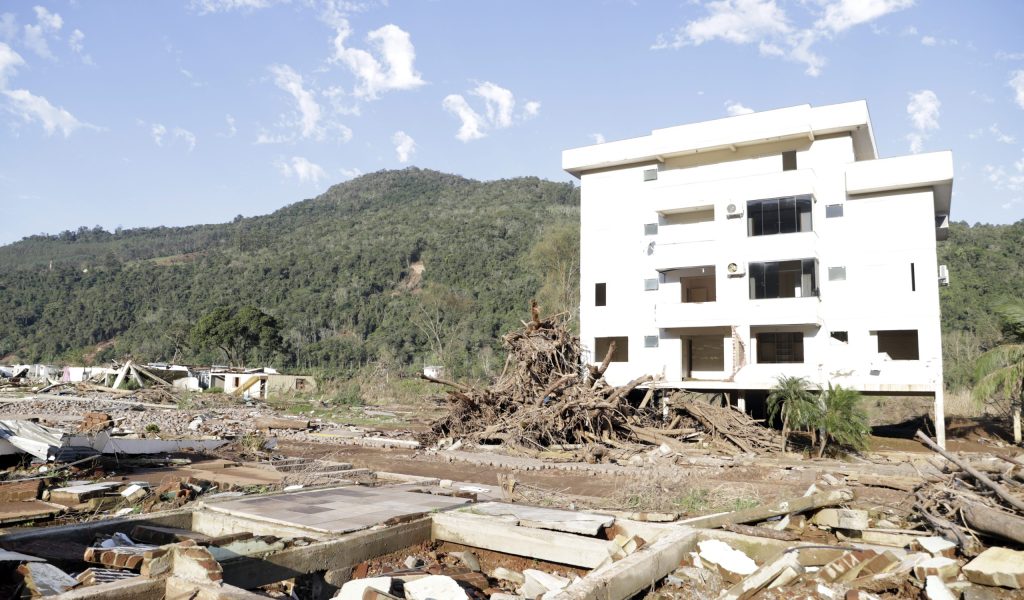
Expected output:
{"points": [[650, 229], [621, 353], [706, 353], [600, 294], [833, 211], [842, 336], [650, 285], [784, 279], [913, 278], [899, 344], [236, 381], [789, 161], [300, 384], [778, 215], [650, 341], [785, 347], [837, 273], [650, 174]]}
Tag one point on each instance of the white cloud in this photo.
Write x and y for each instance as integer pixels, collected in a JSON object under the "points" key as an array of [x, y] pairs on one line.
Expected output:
{"points": [[1001, 136], [9, 63], [765, 23], [928, 40], [499, 103], [47, 23], [844, 14], [232, 130], [351, 173], [598, 138], [923, 110], [214, 6], [8, 27], [36, 108], [309, 110], [1017, 83], [498, 113], [187, 136], [735, 109], [1001, 55], [404, 145], [394, 70], [75, 42], [302, 169], [158, 132], [50, 22], [531, 109], [472, 123]]}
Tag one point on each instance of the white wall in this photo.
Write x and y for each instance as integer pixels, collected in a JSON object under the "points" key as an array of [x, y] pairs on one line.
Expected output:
{"points": [[876, 240]]}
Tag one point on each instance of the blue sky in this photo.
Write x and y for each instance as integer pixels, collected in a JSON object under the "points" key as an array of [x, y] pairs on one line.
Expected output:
{"points": [[126, 113]]}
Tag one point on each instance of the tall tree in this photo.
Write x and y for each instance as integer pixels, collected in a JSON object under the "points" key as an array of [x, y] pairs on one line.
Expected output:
{"points": [[241, 333]]}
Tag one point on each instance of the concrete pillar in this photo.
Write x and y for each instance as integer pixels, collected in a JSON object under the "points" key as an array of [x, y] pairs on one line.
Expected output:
{"points": [[1016, 423], [741, 400], [940, 417]]}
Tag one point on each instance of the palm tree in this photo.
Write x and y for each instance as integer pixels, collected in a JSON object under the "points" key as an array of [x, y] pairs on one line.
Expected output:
{"points": [[793, 400], [1001, 369], [842, 419]]}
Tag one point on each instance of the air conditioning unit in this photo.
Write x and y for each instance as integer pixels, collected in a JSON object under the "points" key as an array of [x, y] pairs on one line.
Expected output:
{"points": [[733, 210], [735, 269], [943, 275]]}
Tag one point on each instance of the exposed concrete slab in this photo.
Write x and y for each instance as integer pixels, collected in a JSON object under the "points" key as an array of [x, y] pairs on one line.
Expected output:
{"points": [[548, 518], [997, 566], [336, 510], [492, 533], [434, 587], [337, 554], [636, 572]]}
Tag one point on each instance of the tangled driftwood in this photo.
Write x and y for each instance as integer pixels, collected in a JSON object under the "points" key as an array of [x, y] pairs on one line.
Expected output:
{"points": [[546, 396]]}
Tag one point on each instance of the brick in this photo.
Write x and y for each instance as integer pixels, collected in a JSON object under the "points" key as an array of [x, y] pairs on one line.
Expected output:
{"points": [[944, 568]]}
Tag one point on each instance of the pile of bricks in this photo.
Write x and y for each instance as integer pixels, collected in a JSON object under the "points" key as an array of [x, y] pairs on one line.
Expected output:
{"points": [[95, 422]]}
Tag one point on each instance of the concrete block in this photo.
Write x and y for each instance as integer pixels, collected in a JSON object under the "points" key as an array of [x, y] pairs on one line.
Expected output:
{"points": [[537, 583], [935, 589], [468, 559], [725, 557], [944, 568], [997, 566], [935, 545], [434, 587], [841, 518], [354, 589], [44, 579], [508, 575]]}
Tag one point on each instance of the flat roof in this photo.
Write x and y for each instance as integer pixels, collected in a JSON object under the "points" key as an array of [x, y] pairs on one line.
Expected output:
{"points": [[795, 122]]}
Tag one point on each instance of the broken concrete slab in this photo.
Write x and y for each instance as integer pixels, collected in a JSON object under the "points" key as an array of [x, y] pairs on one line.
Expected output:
{"points": [[78, 494], [354, 589], [27, 510], [537, 583], [468, 559], [729, 560], [841, 518], [935, 589], [508, 575], [944, 568], [44, 579], [935, 545], [997, 566], [548, 518], [434, 587]]}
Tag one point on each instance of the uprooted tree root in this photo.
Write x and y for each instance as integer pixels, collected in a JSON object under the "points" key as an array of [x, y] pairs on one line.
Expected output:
{"points": [[545, 396]]}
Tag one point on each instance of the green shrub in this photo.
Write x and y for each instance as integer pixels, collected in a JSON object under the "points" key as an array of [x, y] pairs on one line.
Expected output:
{"points": [[843, 419]]}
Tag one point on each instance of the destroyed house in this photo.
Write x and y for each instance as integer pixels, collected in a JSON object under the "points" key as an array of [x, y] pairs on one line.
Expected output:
{"points": [[721, 255]]}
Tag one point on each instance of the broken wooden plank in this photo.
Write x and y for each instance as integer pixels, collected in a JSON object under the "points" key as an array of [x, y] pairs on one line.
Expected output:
{"points": [[999, 490]]}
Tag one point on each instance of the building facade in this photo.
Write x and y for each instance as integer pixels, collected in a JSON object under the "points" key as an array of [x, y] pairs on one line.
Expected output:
{"points": [[718, 256]]}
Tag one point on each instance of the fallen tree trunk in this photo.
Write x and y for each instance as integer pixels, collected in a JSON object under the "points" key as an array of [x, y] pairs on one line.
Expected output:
{"points": [[766, 511], [999, 490], [994, 522]]}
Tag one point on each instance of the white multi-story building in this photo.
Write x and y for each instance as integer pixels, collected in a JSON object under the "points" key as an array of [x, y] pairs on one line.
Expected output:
{"points": [[721, 255]]}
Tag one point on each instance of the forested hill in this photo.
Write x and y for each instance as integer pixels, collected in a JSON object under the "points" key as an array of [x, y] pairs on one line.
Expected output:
{"points": [[406, 266], [400, 267]]}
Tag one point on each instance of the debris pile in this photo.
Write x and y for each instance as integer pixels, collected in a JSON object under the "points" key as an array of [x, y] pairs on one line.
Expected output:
{"points": [[543, 396]]}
